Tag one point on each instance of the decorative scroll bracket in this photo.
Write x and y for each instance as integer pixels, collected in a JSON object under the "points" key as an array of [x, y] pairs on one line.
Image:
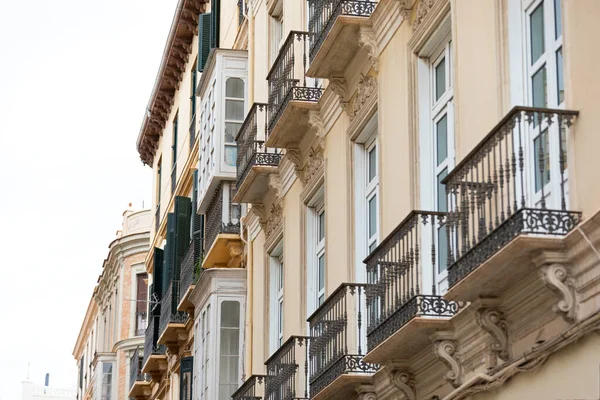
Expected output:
{"points": [[340, 88], [405, 382], [316, 123], [491, 320], [366, 39], [554, 272], [444, 348], [405, 8], [295, 156], [366, 392]]}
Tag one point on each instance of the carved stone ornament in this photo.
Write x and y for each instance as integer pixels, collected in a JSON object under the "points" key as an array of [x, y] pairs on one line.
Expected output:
{"points": [[405, 8], [405, 383], [275, 184], [366, 392], [367, 85], [492, 321], [445, 351], [422, 11], [235, 254], [274, 218], [295, 156], [340, 87], [556, 277], [316, 123], [313, 164], [366, 39]]}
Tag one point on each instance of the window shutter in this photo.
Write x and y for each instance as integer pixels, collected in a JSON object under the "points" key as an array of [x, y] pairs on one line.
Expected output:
{"points": [[186, 372], [215, 10], [203, 40], [169, 254], [142, 292], [183, 209], [158, 278]]}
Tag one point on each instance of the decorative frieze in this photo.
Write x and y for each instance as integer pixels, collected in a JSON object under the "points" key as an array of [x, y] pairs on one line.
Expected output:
{"points": [[314, 163], [274, 218], [367, 87], [422, 11]]}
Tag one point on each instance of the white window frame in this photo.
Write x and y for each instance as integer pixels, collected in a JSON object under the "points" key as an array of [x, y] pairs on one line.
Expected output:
{"points": [[315, 249], [218, 355], [205, 350], [371, 191], [277, 298], [276, 31]]}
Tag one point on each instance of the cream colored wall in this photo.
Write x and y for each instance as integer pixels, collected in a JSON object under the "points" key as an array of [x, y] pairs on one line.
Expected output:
{"points": [[260, 306], [580, 27], [229, 23]]}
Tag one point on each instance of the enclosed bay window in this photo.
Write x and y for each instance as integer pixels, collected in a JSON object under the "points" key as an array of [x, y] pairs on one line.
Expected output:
{"points": [[229, 349], [107, 381], [205, 350], [234, 116]]}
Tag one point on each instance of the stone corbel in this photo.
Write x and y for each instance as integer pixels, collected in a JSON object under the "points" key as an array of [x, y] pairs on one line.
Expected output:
{"points": [[366, 39], [235, 254], [259, 210], [491, 320], [366, 392], [405, 8], [444, 348], [556, 277], [275, 184], [295, 156], [404, 381], [316, 123], [340, 87]]}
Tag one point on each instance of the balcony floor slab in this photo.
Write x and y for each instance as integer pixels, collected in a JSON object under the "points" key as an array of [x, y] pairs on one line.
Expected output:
{"points": [[292, 125], [218, 256], [140, 390], [343, 387], [185, 304], [255, 185], [155, 364], [505, 268], [172, 334]]}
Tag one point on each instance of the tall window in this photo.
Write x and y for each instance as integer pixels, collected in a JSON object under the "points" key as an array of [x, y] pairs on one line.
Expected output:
{"points": [[205, 343], [229, 351], [107, 372], [276, 314], [193, 83], [141, 305], [158, 180], [234, 116], [276, 32], [371, 194], [320, 254], [315, 246], [174, 144]]}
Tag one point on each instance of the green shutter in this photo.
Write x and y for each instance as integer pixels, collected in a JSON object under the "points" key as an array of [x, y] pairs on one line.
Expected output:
{"points": [[215, 10], [203, 40], [186, 373], [169, 253], [157, 280], [183, 209]]}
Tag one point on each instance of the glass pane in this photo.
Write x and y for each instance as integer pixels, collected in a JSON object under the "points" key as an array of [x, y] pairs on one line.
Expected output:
{"points": [[372, 247], [280, 276], [563, 144], [234, 110], [557, 19], [321, 224], [107, 368], [538, 85], [321, 299], [442, 249], [230, 314], [560, 79], [372, 216], [230, 155], [536, 21], [372, 163], [541, 160], [231, 131], [234, 88], [441, 128], [280, 319], [440, 79], [441, 192], [229, 342], [321, 272]]}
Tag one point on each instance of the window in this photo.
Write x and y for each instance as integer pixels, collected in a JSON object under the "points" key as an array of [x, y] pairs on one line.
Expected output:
{"points": [[234, 116], [205, 345], [276, 32], [174, 145], [276, 311], [320, 256], [229, 351], [193, 83], [315, 247], [107, 372], [158, 180], [142, 297], [185, 378], [371, 195]]}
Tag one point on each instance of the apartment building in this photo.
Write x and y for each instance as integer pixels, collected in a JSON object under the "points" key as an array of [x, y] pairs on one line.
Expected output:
{"points": [[374, 200], [111, 337]]}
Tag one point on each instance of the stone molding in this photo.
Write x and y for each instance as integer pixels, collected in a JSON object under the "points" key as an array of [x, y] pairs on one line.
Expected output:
{"points": [[367, 89]]}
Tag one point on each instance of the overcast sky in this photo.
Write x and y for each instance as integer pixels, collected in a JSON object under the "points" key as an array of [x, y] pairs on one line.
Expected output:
{"points": [[75, 78]]}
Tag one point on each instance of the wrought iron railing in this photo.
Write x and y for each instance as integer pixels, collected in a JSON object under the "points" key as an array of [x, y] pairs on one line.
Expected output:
{"points": [[338, 337], [252, 389], [287, 77], [168, 308], [512, 183], [150, 343], [287, 371], [191, 263], [135, 368], [192, 130], [214, 217], [395, 271], [173, 178], [157, 218], [251, 149], [323, 13]]}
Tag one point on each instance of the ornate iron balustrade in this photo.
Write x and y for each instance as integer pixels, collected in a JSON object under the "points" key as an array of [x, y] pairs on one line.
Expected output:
{"points": [[135, 368], [250, 143], [173, 178], [500, 189], [395, 272], [287, 371], [192, 130], [323, 13], [252, 389], [168, 307], [150, 342], [214, 217], [287, 77], [338, 337], [157, 218], [190, 265]]}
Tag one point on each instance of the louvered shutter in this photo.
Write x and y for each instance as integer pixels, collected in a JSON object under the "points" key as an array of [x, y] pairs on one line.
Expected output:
{"points": [[142, 292], [203, 40], [197, 222], [183, 209], [157, 290], [169, 255], [186, 373], [215, 10]]}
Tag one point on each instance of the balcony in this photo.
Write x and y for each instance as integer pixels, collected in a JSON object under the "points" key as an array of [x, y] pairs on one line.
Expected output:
{"points": [[287, 371], [338, 344], [508, 199], [190, 271], [334, 27], [404, 271], [155, 358], [139, 383], [222, 233], [255, 161], [252, 389], [291, 94], [172, 322]]}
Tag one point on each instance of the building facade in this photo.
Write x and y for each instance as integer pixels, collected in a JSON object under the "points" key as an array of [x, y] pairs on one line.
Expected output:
{"points": [[374, 200], [111, 339]]}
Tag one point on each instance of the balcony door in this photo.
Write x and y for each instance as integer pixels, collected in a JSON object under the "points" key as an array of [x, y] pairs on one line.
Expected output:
{"points": [[546, 141]]}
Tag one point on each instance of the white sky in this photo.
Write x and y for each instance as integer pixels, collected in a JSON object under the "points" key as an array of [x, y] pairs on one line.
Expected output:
{"points": [[75, 78]]}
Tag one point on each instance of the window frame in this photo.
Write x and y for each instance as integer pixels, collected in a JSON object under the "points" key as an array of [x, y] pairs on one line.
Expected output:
{"points": [[277, 297]]}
